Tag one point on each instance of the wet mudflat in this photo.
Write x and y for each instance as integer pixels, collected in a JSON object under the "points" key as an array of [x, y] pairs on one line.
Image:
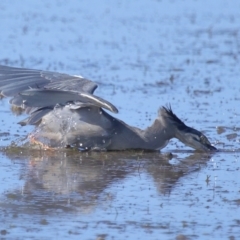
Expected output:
{"points": [[143, 55]]}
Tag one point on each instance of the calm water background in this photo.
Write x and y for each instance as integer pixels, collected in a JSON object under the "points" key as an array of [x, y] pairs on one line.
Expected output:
{"points": [[144, 54]]}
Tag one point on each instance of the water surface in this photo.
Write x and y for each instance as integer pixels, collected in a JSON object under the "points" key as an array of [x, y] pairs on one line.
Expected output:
{"points": [[143, 55]]}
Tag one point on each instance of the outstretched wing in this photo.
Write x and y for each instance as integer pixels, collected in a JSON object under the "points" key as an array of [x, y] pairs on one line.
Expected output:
{"points": [[15, 80], [40, 98], [38, 92]]}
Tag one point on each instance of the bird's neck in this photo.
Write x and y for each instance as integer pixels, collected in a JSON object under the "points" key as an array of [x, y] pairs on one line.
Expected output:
{"points": [[158, 135]]}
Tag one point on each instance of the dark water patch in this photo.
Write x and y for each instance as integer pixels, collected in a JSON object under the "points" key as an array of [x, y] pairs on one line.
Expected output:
{"points": [[232, 136], [220, 129]]}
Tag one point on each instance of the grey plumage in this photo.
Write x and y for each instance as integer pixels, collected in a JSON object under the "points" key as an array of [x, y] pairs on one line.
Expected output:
{"points": [[51, 97], [66, 113], [47, 89]]}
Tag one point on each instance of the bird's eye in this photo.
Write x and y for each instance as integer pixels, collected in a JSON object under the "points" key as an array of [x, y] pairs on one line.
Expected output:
{"points": [[196, 138], [203, 139]]}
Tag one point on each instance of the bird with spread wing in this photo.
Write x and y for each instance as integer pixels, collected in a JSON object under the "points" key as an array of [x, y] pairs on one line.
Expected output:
{"points": [[66, 113]]}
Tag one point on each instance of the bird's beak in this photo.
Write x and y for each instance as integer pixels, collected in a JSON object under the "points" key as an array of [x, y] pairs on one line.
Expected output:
{"points": [[207, 147], [196, 140], [205, 144]]}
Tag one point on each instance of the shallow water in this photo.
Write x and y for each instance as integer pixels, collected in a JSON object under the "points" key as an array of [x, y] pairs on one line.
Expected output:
{"points": [[144, 55]]}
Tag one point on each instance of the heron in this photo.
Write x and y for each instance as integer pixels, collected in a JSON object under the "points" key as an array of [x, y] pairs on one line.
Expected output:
{"points": [[66, 113]]}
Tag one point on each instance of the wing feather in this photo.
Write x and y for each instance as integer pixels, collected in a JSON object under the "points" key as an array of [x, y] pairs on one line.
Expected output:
{"points": [[38, 92], [47, 97], [42, 79]]}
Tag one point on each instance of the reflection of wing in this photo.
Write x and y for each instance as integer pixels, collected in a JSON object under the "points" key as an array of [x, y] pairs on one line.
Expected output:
{"points": [[38, 92], [15, 80]]}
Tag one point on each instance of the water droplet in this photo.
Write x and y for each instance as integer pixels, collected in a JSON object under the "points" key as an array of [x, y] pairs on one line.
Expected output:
{"points": [[80, 144], [103, 141]]}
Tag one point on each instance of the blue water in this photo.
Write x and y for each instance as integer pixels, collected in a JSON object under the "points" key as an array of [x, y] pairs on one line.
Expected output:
{"points": [[143, 54]]}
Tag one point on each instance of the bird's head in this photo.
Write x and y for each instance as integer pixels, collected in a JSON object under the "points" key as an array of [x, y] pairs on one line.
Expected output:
{"points": [[187, 135], [195, 139]]}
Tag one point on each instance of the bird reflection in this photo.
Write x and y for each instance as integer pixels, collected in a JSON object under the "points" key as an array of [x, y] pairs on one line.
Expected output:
{"points": [[73, 181]]}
